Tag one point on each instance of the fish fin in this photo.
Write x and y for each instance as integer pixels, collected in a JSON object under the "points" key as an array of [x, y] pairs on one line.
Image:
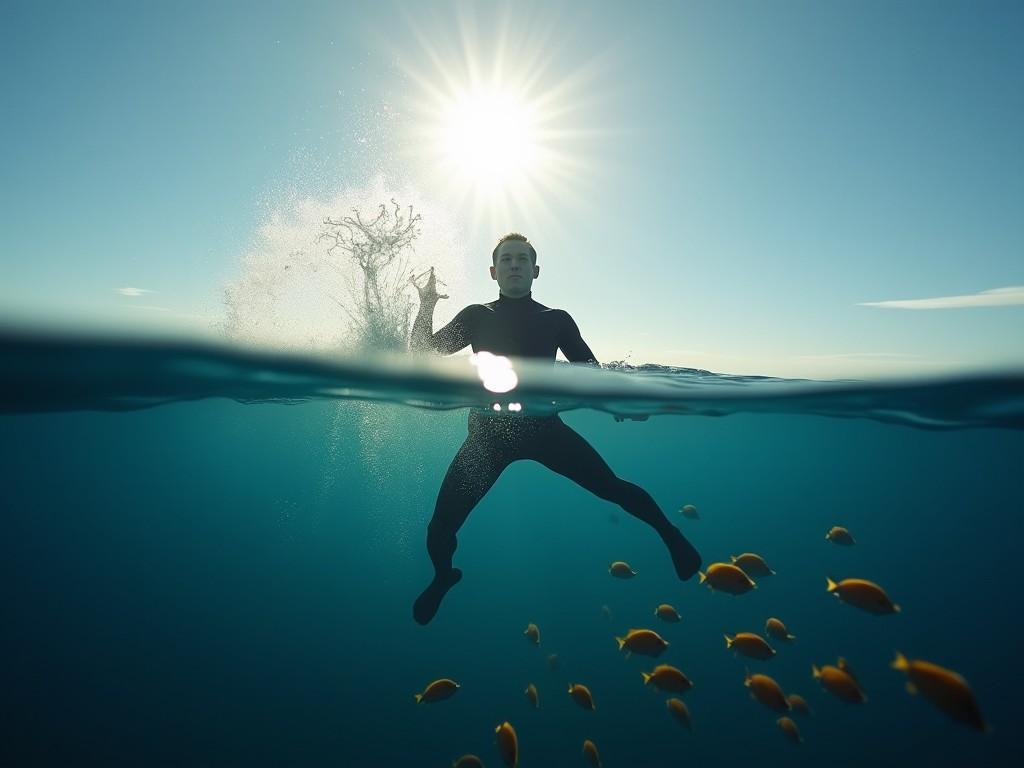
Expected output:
{"points": [[703, 577], [815, 672], [911, 688], [418, 697], [831, 585], [900, 662], [728, 641]]}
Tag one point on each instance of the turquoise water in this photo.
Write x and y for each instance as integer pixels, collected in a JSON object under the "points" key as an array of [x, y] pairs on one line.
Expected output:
{"points": [[210, 557]]}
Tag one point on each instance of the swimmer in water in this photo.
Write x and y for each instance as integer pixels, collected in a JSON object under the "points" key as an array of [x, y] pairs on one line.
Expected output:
{"points": [[517, 326]]}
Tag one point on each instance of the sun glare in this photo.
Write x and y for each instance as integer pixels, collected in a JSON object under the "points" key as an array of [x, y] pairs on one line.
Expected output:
{"points": [[497, 124], [488, 138]]}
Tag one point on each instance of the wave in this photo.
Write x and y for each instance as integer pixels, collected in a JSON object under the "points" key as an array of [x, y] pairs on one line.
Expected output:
{"points": [[62, 371]]}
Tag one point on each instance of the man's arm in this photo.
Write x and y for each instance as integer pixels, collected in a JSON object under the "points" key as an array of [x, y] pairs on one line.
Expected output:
{"points": [[450, 339], [572, 344]]}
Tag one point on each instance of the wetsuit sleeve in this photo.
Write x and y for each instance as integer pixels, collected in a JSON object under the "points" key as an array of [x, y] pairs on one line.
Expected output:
{"points": [[572, 344], [458, 334]]}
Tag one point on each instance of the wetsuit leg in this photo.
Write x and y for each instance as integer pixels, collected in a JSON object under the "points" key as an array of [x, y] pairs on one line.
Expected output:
{"points": [[564, 451], [475, 468]]}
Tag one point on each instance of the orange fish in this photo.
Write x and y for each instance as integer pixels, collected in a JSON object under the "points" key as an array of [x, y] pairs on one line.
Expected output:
{"points": [[590, 752], [581, 695], [767, 691], [789, 728], [750, 644], [666, 612], [665, 677], [531, 694], [752, 565], [621, 570], [840, 682], [680, 712], [726, 577], [776, 629], [863, 594], [839, 535], [508, 744], [944, 688], [439, 690], [798, 703], [646, 642], [532, 633]]}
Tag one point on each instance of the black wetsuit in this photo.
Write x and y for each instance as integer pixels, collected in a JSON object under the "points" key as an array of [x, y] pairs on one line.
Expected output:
{"points": [[524, 328]]}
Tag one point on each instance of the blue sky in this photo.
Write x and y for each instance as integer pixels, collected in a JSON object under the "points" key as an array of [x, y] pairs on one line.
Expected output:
{"points": [[742, 183]]}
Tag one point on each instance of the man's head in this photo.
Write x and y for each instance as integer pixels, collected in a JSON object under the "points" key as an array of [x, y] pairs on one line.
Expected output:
{"points": [[514, 265]]}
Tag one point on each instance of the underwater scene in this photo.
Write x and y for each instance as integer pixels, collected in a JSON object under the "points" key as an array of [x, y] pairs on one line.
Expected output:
{"points": [[211, 554]]}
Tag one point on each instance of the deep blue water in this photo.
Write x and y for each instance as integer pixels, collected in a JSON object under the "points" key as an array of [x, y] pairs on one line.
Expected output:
{"points": [[215, 582]]}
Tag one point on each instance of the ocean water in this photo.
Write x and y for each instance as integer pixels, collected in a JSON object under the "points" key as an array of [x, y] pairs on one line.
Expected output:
{"points": [[209, 557]]}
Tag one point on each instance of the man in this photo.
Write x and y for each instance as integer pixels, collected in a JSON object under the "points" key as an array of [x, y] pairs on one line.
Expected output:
{"points": [[517, 326]]}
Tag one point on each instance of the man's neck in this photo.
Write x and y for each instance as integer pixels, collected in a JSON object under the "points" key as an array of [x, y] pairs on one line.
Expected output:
{"points": [[506, 297]]}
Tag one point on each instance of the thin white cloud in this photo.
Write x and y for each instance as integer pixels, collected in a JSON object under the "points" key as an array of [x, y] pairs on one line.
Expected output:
{"points": [[997, 297], [129, 291]]}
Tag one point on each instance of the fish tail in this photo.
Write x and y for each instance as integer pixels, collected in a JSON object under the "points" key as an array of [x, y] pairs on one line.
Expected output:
{"points": [[418, 697], [703, 577], [728, 641], [646, 677], [896, 608], [830, 584], [900, 662], [621, 641], [815, 672]]}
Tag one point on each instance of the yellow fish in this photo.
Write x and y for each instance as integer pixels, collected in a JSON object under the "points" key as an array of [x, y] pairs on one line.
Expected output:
{"points": [[437, 691], [840, 682], [666, 612], [531, 694], [590, 752], [798, 703], [646, 642], [726, 577], [508, 744], [680, 712], [767, 691], [789, 728], [863, 594], [665, 677], [750, 644], [944, 688], [621, 570], [839, 535], [776, 629], [581, 695], [752, 565], [532, 633]]}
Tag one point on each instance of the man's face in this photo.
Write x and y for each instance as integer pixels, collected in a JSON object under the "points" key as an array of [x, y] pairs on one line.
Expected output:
{"points": [[514, 269]]}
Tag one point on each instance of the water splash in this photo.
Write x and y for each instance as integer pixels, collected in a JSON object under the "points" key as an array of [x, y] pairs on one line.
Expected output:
{"points": [[332, 274]]}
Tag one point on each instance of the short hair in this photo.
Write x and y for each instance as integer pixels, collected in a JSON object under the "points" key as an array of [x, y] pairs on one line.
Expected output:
{"points": [[513, 236]]}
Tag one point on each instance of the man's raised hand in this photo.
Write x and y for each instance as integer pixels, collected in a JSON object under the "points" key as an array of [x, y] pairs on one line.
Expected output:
{"points": [[427, 291]]}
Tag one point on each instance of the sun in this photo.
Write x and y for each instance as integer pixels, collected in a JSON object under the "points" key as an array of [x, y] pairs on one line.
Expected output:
{"points": [[488, 137], [503, 132]]}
